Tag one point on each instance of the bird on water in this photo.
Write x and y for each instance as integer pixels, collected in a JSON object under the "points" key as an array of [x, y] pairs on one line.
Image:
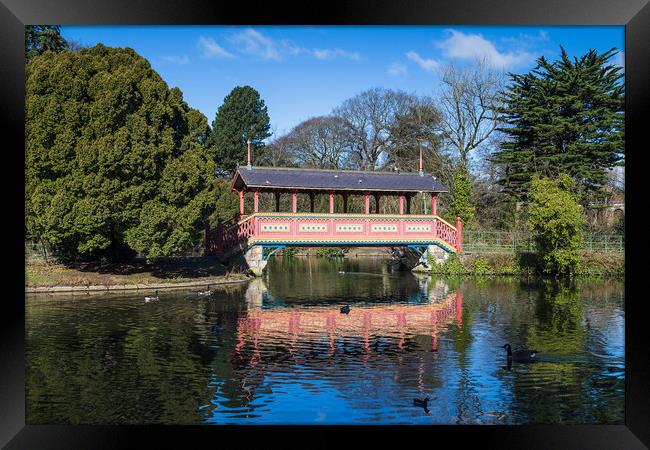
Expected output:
{"points": [[206, 292], [523, 355], [345, 309], [422, 403], [151, 298]]}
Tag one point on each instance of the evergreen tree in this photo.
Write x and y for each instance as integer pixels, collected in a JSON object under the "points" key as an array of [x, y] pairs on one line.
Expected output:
{"points": [[242, 116], [563, 117], [461, 204], [41, 38], [114, 161]]}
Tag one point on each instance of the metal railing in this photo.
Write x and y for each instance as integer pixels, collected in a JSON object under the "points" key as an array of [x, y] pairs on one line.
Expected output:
{"points": [[477, 241]]}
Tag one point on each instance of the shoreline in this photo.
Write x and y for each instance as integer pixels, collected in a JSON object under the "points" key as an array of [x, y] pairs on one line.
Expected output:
{"points": [[127, 287]]}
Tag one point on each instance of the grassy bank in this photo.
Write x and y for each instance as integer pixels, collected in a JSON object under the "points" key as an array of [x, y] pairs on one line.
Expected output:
{"points": [[168, 271], [592, 264]]}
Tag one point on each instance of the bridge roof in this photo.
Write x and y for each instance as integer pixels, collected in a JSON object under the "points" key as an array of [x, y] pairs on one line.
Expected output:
{"points": [[273, 178]]}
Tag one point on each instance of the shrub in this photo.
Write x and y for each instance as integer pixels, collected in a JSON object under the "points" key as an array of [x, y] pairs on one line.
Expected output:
{"points": [[330, 252], [289, 251], [452, 266], [556, 220], [481, 267]]}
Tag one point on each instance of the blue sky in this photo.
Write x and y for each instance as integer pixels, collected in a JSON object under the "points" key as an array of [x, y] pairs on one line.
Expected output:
{"points": [[302, 72]]}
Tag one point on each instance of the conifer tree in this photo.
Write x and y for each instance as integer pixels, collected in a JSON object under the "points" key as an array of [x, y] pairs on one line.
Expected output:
{"points": [[462, 196], [242, 116], [564, 116]]}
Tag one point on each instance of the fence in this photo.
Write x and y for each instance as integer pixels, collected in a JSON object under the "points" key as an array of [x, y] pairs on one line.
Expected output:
{"points": [[475, 241]]}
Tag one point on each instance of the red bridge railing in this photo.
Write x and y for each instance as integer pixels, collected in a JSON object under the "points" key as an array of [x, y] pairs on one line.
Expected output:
{"points": [[332, 229]]}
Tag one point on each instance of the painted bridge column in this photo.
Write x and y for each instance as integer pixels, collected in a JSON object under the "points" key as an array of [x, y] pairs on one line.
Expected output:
{"points": [[401, 204], [294, 202], [331, 202], [459, 235], [366, 199], [434, 201], [241, 202], [256, 201]]}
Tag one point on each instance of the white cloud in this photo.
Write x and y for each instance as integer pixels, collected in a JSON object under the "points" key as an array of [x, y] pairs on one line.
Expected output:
{"points": [[324, 53], [474, 46], [619, 59], [213, 50], [253, 42], [397, 69], [176, 59], [429, 65]]}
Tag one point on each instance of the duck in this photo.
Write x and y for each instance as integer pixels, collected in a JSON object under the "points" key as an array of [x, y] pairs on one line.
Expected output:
{"points": [[206, 292], [422, 403], [523, 355], [345, 309], [151, 298]]}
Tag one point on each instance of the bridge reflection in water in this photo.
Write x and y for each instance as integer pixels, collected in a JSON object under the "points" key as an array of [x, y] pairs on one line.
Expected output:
{"points": [[425, 313]]}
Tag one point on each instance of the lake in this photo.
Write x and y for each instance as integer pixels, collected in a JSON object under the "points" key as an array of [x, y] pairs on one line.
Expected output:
{"points": [[277, 350]]}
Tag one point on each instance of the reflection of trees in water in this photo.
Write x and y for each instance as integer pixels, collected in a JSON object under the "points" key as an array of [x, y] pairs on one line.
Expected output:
{"points": [[124, 362], [318, 279], [574, 388]]}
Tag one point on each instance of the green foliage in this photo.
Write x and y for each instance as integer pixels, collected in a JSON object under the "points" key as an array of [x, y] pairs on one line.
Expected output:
{"points": [[462, 196], [481, 267], [242, 116], [563, 117], [330, 252], [290, 251], [452, 266], [42, 38], [114, 163], [227, 202], [556, 221]]}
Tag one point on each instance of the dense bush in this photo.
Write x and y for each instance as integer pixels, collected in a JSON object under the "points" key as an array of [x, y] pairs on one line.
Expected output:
{"points": [[555, 218]]}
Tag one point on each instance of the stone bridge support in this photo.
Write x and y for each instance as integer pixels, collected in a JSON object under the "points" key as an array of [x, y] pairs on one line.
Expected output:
{"points": [[255, 259]]}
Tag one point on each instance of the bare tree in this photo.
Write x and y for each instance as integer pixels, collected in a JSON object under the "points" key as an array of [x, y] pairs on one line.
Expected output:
{"points": [[469, 101], [370, 116], [322, 142], [419, 128]]}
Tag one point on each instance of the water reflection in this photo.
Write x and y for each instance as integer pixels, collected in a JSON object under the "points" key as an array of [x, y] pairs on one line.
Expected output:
{"points": [[277, 350]]}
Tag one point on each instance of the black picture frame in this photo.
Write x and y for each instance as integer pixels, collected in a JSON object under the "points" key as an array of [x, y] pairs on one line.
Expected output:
{"points": [[633, 14]]}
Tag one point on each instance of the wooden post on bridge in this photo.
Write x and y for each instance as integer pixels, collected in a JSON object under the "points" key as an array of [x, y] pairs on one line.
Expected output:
{"points": [[331, 202], [366, 199], [294, 202], [434, 202], [401, 204], [241, 203], [256, 201]]}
